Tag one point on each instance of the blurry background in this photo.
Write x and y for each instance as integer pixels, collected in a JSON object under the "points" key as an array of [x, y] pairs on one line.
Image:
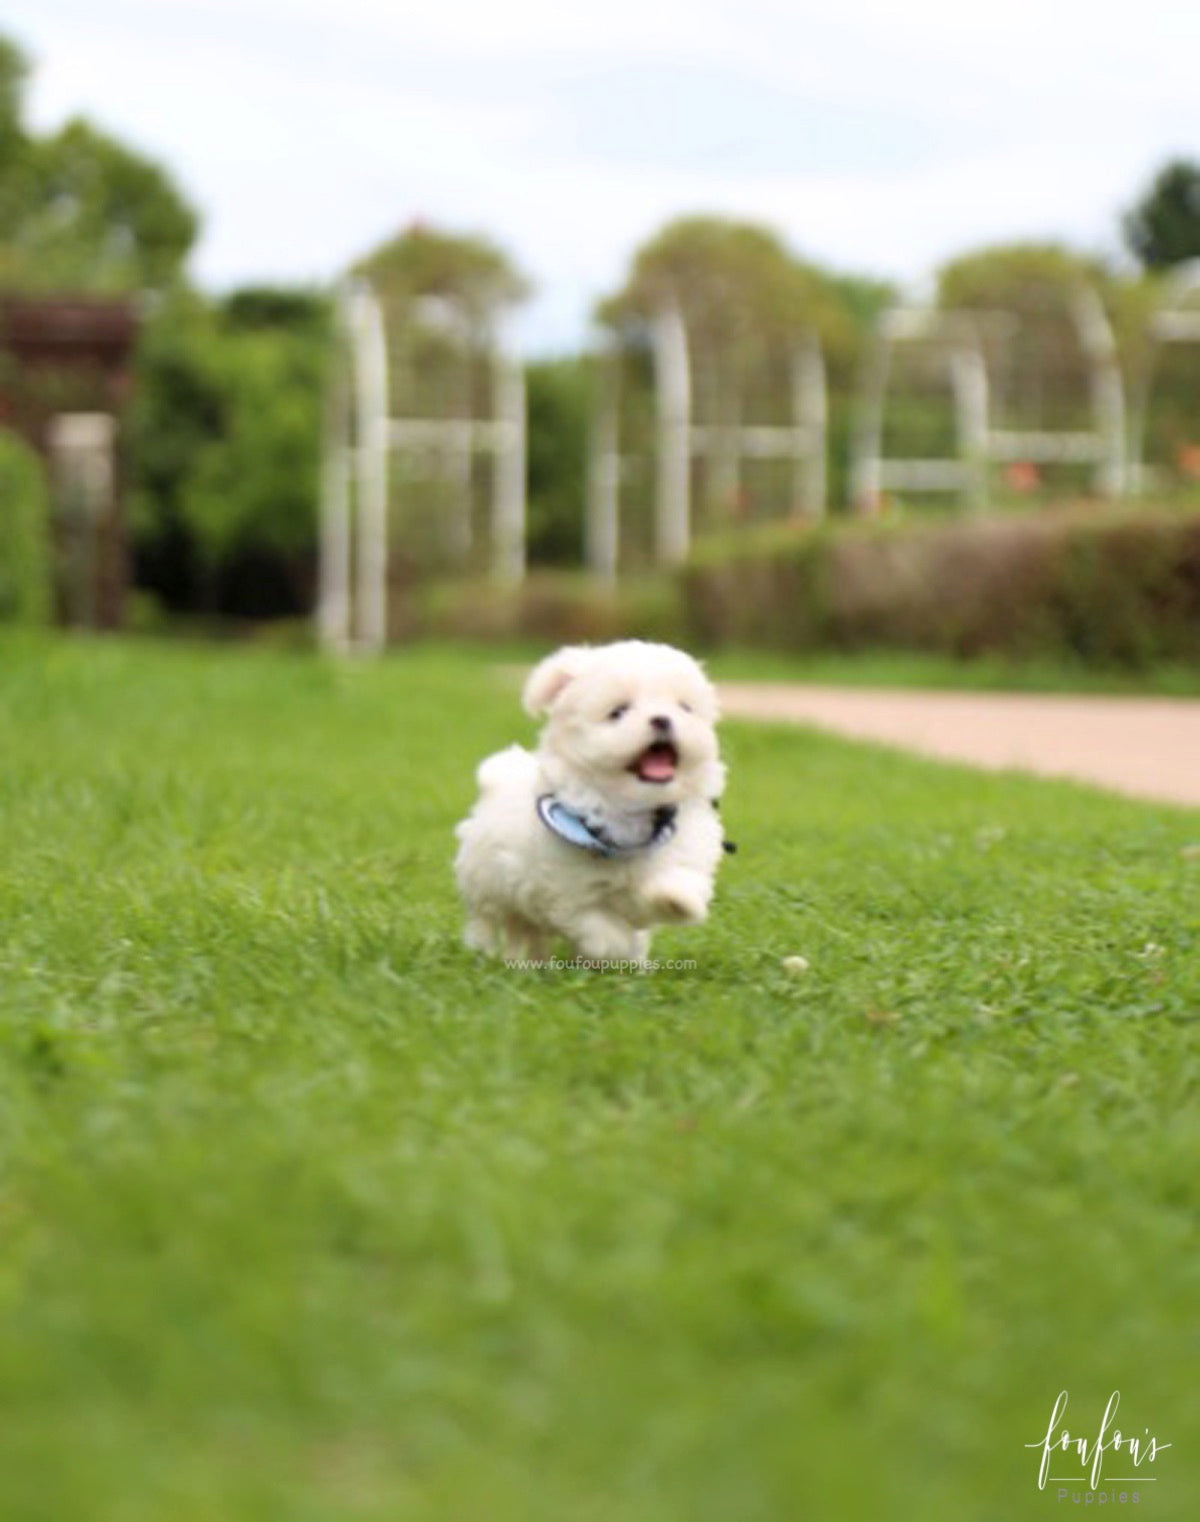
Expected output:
{"points": [[553, 182]]}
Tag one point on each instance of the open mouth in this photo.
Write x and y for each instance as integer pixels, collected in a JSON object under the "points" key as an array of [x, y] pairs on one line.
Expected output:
{"points": [[656, 763]]}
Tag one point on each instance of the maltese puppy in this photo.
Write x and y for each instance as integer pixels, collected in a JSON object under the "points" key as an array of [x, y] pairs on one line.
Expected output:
{"points": [[610, 826]]}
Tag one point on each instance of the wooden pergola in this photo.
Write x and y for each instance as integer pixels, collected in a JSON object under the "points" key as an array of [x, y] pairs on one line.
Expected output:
{"points": [[66, 375]]}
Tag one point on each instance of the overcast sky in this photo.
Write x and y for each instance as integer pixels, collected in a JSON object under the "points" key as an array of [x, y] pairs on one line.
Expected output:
{"points": [[878, 137]]}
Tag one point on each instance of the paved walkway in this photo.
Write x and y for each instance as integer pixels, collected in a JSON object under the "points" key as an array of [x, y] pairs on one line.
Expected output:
{"points": [[1147, 747]]}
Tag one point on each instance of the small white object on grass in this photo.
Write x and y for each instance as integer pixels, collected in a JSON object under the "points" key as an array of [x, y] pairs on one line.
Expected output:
{"points": [[795, 965]]}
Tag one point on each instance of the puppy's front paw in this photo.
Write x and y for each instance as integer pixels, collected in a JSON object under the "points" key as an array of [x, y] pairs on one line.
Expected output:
{"points": [[601, 938], [680, 898]]}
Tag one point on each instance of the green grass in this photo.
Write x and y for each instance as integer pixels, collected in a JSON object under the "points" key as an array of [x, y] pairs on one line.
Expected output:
{"points": [[897, 668], [307, 1214]]}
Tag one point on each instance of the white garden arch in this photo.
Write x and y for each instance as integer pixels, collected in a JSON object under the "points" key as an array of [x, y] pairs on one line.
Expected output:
{"points": [[361, 439], [1176, 321], [952, 340], [679, 439], [960, 336]]}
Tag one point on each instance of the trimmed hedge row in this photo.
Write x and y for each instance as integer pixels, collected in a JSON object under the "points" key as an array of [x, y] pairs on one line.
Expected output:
{"points": [[1105, 588], [549, 607]]}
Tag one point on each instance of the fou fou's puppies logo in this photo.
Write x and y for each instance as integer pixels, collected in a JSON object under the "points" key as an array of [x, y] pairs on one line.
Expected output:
{"points": [[1080, 1460]]}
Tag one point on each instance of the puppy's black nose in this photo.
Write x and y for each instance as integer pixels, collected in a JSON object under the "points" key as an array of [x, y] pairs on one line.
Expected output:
{"points": [[661, 724]]}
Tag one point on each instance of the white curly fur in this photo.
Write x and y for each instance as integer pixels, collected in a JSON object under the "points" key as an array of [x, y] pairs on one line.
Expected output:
{"points": [[522, 884]]}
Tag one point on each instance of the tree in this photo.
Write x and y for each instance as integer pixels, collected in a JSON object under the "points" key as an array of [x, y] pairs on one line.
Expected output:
{"points": [[423, 263], [25, 574], [15, 169], [559, 393], [1025, 278], [79, 210], [14, 68], [257, 481], [225, 443], [743, 295], [1163, 228], [735, 284]]}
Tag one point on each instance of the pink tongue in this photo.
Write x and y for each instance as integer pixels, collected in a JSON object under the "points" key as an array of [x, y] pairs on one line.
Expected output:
{"points": [[657, 766]]}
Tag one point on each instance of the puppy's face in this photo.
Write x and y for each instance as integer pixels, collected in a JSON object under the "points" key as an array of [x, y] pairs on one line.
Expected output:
{"points": [[633, 720]]}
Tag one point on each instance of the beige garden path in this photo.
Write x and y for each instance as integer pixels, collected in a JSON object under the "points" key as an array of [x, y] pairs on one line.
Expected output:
{"points": [[1146, 747]]}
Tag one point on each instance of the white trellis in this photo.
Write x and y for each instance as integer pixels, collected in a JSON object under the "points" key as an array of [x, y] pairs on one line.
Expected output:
{"points": [[362, 437], [1102, 445], [1176, 321], [679, 440], [959, 337], [952, 338]]}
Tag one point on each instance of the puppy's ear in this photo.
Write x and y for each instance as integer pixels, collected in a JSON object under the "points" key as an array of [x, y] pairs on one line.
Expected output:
{"points": [[549, 677], [709, 707]]}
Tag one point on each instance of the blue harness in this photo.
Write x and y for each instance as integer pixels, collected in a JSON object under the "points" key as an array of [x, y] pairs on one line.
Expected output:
{"points": [[576, 831]]}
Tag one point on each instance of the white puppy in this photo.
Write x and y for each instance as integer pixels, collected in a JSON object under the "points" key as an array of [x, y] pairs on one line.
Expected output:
{"points": [[610, 826]]}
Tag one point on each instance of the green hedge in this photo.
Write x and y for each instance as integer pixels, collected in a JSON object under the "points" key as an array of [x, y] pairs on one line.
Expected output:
{"points": [[549, 607], [25, 588], [1109, 589]]}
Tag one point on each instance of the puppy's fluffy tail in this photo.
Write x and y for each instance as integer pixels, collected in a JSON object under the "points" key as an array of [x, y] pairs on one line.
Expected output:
{"points": [[499, 772]]}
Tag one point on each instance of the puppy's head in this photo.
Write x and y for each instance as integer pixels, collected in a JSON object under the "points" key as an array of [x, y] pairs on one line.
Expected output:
{"points": [[634, 721]]}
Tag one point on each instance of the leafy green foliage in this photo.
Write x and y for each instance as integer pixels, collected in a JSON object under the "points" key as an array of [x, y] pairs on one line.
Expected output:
{"points": [[1163, 228], [14, 68], [226, 432], [741, 291], [353, 1226], [25, 576], [559, 398], [80, 211], [1023, 278], [257, 480], [727, 277], [425, 262], [15, 190]]}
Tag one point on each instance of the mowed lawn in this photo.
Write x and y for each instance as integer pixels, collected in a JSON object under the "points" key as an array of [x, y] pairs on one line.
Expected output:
{"points": [[306, 1213]]}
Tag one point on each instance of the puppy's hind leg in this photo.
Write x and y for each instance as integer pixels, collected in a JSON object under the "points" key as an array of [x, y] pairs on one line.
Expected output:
{"points": [[482, 934], [523, 941]]}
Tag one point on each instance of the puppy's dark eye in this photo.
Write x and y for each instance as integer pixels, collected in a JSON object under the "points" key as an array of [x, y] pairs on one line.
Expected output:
{"points": [[619, 711], [687, 707]]}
